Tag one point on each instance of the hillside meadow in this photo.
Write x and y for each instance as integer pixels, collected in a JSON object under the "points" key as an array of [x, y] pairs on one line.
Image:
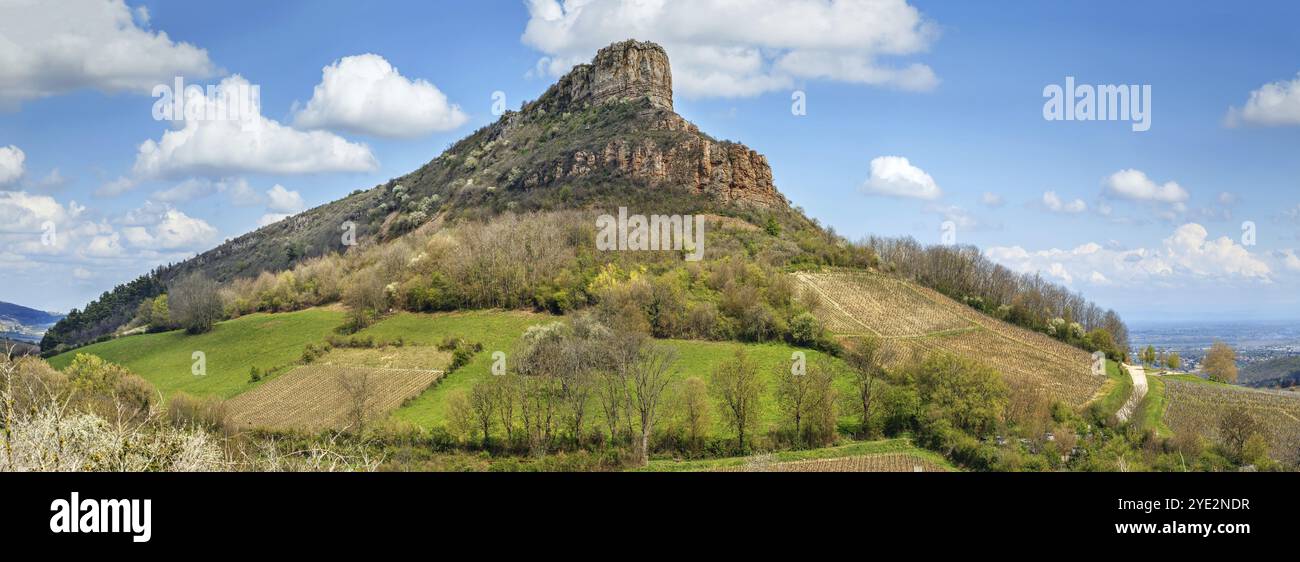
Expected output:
{"points": [[231, 349]]}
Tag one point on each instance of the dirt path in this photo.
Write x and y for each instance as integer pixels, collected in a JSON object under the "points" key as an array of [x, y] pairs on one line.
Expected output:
{"points": [[1139, 376]]}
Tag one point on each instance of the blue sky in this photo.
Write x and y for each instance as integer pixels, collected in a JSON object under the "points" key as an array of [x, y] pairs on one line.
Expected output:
{"points": [[1149, 223]]}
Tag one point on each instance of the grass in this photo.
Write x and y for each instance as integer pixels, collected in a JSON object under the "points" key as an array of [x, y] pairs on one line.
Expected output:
{"points": [[855, 448], [700, 358], [1118, 387], [1151, 412], [1192, 378], [267, 341], [496, 330]]}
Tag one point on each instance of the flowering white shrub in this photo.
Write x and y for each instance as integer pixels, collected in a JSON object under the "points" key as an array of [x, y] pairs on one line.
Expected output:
{"points": [[55, 440]]}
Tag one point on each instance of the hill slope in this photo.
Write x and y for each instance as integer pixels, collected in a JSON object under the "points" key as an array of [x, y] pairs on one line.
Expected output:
{"points": [[910, 321], [1282, 371]]}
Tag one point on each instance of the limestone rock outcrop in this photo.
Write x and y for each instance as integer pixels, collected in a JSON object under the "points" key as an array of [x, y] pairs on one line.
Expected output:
{"points": [[633, 71]]}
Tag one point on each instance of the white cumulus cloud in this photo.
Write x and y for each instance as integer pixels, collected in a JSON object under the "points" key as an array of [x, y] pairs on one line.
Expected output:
{"points": [[11, 164], [251, 143], [27, 218], [1289, 258], [1188, 255], [895, 176], [781, 41], [1134, 185], [281, 200], [1272, 105], [173, 231], [365, 94], [1054, 203], [52, 47]]}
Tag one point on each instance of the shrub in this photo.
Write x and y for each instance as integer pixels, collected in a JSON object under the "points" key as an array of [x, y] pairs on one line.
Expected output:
{"points": [[805, 330], [185, 410]]}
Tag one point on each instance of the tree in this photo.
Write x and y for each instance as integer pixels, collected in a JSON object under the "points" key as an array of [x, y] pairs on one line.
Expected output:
{"points": [[460, 415], [1173, 361], [505, 394], [195, 303], [867, 361], [969, 394], [1237, 428], [365, 298], [808, 400], [537, 399], [359, 390], [580, 356], [646, 383], [160, 314], [619, 354], [1148, 355], [805, 330], [1221, 363], [737, 386], [692, 408], [543, 357], [1099, 339], [483, 401]]}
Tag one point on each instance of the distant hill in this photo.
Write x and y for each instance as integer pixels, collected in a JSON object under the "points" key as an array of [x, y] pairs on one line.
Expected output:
{"points": [[27, 316], [1279, 372], [20, 323]]}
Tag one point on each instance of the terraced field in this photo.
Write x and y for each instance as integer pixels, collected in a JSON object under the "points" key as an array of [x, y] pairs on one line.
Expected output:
{"points": [[912, 321], [316, 397], [1197, 407], [884, 462]]}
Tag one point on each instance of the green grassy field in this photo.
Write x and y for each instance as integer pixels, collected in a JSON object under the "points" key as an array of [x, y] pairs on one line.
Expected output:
{"points": [[498, 331], [853, 449], [276, 340], [231, 348], [700, 358]]}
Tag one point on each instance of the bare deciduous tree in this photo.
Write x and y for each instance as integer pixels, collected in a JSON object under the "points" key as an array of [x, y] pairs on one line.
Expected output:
{"points": [[483, 402], [808, 401], [505, 393], [359, 390], [647, 379], [195, 303]]}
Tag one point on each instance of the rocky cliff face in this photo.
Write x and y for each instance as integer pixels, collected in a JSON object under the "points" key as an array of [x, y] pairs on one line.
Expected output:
{"points": [[624, 71], [634, 71]]}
